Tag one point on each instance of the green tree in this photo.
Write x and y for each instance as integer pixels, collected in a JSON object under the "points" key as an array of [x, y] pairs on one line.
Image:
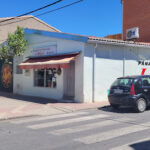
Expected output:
{"points": [[15, 45]]}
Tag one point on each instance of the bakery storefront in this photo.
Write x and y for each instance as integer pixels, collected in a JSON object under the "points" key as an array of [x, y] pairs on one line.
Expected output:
{"points": [[46, 70], [49, 68]]}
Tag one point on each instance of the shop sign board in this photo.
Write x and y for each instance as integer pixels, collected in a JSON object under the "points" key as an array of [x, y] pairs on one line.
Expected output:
{"points": [[45, 50]]}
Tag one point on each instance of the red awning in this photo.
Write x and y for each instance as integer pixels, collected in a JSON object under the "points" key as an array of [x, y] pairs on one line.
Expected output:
{"points": [[61, 61]]}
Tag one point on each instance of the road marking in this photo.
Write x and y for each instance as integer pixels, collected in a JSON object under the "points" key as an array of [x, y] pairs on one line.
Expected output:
{"points": [[48, 117], [67, 121], [124, 119], [110, 134], [128, 147], [146, 124], [84, 127]]}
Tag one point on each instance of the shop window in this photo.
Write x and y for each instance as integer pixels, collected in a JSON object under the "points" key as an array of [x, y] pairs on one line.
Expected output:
{"points": [[45, 78]]}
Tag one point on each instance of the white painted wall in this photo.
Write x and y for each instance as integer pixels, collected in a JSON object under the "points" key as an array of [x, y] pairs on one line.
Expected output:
{"points": [[109, 66], [63, 46], [17, 78], [88, 69], [79, 78]]}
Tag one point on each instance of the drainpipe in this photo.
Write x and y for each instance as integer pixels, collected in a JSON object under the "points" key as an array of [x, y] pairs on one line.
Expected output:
{"points": [[122, 37], [123, 62], [93, 79], [122, 18]]}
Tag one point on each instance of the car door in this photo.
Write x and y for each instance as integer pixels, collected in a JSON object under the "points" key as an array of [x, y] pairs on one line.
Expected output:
{"points": [[138, 86], [146, 87]]}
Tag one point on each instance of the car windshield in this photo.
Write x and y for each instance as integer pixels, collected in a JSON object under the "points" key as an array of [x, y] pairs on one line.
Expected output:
{"points": [[123, 82]]}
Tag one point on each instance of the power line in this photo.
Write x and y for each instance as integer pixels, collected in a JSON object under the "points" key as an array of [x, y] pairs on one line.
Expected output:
{"points": [[58, 1], [44, 12], [59, 8]]}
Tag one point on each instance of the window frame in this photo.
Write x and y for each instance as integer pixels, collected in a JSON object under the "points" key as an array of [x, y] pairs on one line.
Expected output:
{"points": [[45, 78]]}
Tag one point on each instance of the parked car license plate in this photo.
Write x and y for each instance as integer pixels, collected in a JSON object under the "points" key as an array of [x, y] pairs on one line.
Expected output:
{"points": [[118, 91]]}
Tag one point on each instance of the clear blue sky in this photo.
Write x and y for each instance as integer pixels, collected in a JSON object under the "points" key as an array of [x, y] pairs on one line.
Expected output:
{"points": [[90, 17]]}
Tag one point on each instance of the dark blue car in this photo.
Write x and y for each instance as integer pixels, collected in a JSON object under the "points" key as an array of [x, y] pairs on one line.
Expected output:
{"points": [[132, 91]]}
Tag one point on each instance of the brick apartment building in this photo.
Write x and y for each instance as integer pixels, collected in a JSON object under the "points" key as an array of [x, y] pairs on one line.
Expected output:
{"points": [[136, 13]]}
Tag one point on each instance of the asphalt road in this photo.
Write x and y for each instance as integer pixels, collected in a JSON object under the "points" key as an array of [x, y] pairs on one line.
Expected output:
{"points": [[103, 129]]}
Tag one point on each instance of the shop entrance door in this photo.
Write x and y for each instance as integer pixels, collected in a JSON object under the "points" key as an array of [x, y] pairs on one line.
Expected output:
{"points": [[69, 81]]}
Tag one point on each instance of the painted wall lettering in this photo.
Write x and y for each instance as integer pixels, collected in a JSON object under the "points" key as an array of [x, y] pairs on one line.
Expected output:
{"points": [[144, 63], [143, 71]]}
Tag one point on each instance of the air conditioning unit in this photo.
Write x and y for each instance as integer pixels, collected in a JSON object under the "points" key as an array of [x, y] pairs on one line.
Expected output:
{"points": [[132, 33]]}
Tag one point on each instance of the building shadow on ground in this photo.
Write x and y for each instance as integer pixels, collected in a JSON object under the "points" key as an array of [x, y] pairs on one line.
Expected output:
{"points": [[33, 99], [145, 145]]}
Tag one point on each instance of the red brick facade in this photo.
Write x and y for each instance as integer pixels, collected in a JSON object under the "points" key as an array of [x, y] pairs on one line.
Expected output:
{"points": [[136, 13]]}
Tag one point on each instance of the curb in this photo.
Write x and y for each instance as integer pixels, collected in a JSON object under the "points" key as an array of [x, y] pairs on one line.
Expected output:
{"points": [[64, 110], [17, 117]]}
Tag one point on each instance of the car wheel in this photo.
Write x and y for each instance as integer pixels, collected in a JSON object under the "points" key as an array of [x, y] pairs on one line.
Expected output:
{"points": [[141, 105], [115, 106]]}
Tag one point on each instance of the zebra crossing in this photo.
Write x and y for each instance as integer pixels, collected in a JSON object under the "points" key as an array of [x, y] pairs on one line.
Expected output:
{"points": [[85, 122], [47, 117], [81, 128], [58, 123], [110, 135]]}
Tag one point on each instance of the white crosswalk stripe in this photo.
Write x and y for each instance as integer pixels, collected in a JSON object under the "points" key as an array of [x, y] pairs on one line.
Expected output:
{"points": [[86, 127], [124, 119], [67, 121], [95, 138], [48, 117]]}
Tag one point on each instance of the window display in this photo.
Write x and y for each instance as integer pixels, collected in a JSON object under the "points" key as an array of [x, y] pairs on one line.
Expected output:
{"points": [[45, 78]]}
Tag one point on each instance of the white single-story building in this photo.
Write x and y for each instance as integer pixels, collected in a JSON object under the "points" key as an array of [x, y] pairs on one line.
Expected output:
{"points": [[81, 68]]}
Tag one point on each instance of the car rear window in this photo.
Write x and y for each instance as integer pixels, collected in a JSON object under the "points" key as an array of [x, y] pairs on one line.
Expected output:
{"points": [[127, 82]]}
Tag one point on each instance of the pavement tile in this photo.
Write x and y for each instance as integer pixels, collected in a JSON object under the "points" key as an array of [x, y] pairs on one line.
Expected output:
{"points": [[12, 106]]}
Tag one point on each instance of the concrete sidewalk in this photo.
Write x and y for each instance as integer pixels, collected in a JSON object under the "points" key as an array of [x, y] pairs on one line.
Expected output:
{"points": [[14, 106]]}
